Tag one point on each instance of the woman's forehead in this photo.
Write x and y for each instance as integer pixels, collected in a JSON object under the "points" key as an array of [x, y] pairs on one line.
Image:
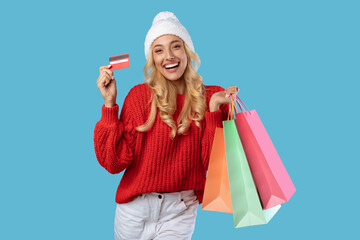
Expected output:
{"points": [[166, 39]]}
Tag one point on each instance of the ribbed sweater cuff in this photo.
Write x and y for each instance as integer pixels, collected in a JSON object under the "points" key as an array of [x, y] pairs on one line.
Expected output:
{"points": [[109, 115], [214, 119]]}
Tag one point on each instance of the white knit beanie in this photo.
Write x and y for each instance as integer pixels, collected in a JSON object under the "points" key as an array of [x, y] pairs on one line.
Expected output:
{"points": [[166, 23]]}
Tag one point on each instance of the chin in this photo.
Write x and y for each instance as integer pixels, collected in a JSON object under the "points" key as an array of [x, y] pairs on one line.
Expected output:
{"points": [[174, 76]]}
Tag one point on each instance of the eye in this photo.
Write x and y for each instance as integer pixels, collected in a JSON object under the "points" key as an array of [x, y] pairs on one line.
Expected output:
{"points": [[158, 50], [177, 46]]}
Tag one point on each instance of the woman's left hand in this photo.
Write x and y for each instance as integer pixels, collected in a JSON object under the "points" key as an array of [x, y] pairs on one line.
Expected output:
{"points": [[222, 97]]}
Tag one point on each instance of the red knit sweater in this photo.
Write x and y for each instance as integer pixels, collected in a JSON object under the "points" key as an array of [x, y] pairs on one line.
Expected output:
{"points": [[153, 161]]}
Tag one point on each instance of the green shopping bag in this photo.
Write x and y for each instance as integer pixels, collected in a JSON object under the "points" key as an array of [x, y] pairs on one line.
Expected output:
{"points": [[246, 205]]}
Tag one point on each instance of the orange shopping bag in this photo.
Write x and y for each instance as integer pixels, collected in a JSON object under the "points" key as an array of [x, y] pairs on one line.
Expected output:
{"points": [[217, 189]]}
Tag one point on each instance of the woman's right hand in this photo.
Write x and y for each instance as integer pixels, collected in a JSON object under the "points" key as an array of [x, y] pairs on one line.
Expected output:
{"points": [[107, 85]]}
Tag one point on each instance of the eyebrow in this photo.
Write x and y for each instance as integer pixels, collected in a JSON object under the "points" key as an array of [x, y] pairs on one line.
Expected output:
{"points": [[159, 45]]}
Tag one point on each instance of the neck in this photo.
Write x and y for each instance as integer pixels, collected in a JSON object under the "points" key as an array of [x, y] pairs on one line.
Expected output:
{"points": [[180, 86]]}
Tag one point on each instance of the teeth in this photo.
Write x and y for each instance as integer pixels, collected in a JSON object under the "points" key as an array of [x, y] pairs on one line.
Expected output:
{"points": [[171, 65]]}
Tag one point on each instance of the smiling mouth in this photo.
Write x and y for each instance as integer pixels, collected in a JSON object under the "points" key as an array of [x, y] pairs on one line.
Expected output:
{"points": [[171, 66]]}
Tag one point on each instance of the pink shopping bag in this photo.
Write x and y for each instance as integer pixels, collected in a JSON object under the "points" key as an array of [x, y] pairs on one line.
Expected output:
{"points": [[271, 178]]}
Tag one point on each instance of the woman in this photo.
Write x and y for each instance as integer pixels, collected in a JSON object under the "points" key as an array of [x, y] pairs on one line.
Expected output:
{"points": [[163, 137]]}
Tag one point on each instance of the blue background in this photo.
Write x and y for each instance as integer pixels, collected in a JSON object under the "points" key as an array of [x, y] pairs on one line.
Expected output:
{"points": [[295, 62]]}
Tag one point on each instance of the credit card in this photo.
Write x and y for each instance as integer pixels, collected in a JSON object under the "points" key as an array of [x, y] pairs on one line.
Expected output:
{"points": [[119, 61]]}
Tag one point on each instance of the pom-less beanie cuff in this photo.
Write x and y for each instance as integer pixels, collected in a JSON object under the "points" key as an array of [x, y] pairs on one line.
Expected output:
{"points": [[166, 23]]}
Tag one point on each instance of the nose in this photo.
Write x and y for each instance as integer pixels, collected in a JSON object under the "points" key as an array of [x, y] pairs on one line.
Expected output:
{"points": [[169, 55]]}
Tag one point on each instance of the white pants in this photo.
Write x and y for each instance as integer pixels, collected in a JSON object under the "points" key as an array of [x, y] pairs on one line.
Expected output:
{"points": [[157, 216]]}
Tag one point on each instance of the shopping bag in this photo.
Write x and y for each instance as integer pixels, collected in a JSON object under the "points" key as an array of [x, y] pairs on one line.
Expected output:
{"points": [[246, 206], [217, 191], [271, 178]]}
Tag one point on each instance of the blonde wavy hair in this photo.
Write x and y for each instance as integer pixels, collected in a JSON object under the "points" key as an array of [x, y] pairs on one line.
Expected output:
{"points": [[164, 96]]}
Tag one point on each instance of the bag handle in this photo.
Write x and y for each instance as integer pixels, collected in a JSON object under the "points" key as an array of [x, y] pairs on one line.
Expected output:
{"points": [[237, 100], [233, 106]]}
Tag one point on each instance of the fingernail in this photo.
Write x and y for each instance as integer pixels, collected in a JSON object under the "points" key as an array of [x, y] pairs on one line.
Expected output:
{"points": [[109, 66], [113, 77], [227, 95]]}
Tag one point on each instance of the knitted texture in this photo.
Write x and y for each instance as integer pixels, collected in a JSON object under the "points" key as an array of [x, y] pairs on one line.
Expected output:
{"points": [[154, 162], [166, 23]]}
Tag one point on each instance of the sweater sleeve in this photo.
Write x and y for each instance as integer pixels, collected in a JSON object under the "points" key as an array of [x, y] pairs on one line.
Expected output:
{"points": [[114, 138], [212, 121]]}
